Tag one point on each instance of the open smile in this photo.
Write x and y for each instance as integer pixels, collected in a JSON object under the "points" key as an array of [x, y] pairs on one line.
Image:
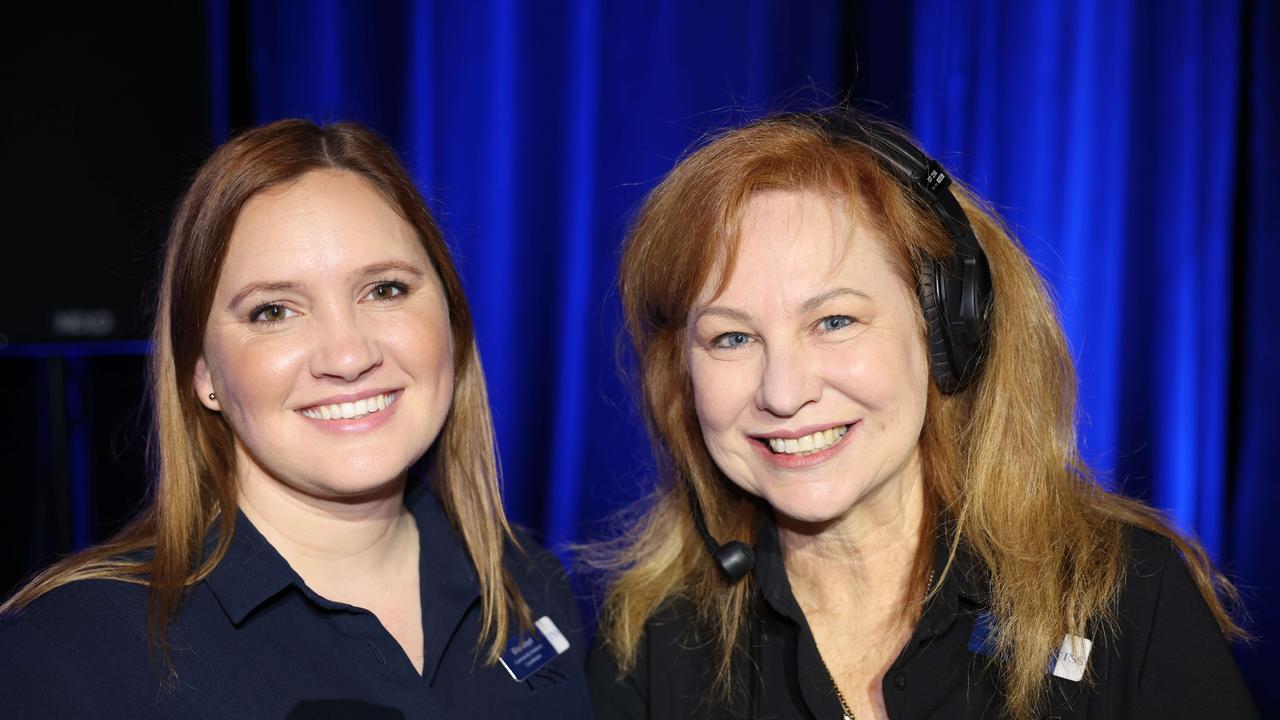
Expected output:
{"points": [[352, 409], [805, 444], [805, 448]]}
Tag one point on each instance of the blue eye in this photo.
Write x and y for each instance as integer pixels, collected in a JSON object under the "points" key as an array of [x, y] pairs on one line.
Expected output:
{"points": [[835, 322], [731, 340]]}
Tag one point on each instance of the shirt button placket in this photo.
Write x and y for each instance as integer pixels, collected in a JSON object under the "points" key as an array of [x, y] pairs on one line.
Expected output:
{"points": [[900, 681]]}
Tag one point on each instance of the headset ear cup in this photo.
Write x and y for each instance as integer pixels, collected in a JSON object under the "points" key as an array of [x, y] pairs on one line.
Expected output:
{"points": [[955, 292], [944, 371]]}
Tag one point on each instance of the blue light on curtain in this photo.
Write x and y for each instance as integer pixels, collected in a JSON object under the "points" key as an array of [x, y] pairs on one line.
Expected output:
{"points": [[571, 432], [1105, 132], [1257, 442], [217, 19], [1133, 148]]}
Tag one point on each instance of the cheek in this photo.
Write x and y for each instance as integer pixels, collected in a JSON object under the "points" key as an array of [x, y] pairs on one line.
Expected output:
{"points": [[423, 345], [886, 375], [722, 392], [254, 375]]}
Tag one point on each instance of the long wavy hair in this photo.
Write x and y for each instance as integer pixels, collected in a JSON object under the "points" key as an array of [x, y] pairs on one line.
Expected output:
{"points": [[193, 483], [1002, 468]]}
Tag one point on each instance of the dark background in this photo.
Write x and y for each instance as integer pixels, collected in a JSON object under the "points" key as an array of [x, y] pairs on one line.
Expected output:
{"points": [[1129, 144]]}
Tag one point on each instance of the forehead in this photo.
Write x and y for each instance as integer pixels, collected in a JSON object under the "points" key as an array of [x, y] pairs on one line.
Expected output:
{"points": [[325, 221], [795, 242]]}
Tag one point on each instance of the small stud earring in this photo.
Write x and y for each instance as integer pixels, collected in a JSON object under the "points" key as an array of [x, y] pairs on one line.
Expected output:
{"points": [[213, 396]]}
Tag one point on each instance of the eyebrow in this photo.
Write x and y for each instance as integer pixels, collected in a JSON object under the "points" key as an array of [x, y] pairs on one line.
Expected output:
{"points": [[816, 301], [807, 306], [724, 312], [286, 285]]}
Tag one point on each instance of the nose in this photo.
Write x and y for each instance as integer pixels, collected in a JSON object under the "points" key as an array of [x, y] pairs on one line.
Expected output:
{"points": [[345, 347], [789, 380]]}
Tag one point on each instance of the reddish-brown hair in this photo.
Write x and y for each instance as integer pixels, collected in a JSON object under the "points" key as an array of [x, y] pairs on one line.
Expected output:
{"points": [[1001, 463]]}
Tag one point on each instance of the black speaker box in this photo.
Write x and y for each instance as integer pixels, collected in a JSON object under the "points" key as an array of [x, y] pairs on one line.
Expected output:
{"points": [[106, 115]]}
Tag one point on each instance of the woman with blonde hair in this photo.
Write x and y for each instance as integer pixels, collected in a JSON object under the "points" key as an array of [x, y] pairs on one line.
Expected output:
{"points": [[871, 503], [312, 343]]}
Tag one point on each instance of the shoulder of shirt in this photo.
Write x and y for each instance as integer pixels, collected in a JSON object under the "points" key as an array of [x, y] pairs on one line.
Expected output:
{"points": [[673, 633], [1156, 576], [543, 579], [530, 560], [102, 613], [1150, 557], [81, 602]]}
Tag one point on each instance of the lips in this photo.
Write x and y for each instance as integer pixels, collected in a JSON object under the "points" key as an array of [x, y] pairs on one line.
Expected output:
{"points": [[803, 448], [352, 409], [806, 443]]}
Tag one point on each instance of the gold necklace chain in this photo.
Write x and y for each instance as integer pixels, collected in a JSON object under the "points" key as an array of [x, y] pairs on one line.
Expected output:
{"points": [[844, 704]]}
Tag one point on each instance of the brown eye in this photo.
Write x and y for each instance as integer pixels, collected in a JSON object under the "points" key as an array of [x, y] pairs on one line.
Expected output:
{"points": [[270, 313], [387, 291]]}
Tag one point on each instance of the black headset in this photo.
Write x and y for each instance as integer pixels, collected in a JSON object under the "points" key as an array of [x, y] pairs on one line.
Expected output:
{"points": [[955, 291]]}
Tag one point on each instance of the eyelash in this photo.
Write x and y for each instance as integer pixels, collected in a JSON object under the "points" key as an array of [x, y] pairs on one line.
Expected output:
{"points": [[256, 312], [716, 342], [400, 288], [848, 321]]}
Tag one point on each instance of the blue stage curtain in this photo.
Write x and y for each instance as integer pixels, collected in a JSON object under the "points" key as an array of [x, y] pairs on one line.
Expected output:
{"points": [[1256, 442], [1132, 146], [1106, 133]]}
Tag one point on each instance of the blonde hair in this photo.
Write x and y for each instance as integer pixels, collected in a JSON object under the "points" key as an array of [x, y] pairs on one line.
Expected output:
{"points": [[193, 485], [1001, 464]]}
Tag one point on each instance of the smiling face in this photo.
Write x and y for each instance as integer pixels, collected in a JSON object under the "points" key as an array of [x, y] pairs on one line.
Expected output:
{"points": [[809, 371], [328, 344]]}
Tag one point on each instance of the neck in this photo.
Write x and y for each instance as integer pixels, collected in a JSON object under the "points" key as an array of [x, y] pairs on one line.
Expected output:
{"points": [[335, 544], [861, 561]]}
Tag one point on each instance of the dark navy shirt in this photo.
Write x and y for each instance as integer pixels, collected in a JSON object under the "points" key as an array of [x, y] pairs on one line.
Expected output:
{"points": [[253, 641]]}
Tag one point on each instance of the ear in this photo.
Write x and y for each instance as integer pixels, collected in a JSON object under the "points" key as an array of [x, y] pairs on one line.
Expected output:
{"points": [[204, 386]]}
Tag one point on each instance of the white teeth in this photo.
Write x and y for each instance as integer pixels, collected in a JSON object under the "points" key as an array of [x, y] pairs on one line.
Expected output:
{"points": [[809, 443], [349, 410]]}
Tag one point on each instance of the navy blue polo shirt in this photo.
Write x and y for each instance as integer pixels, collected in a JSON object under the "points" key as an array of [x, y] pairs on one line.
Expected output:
{"points": [[253, 641]]}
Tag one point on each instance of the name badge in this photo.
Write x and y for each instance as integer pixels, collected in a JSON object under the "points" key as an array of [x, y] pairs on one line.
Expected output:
{"points": [[1067, 663], [1072, 657], [528, 653]]}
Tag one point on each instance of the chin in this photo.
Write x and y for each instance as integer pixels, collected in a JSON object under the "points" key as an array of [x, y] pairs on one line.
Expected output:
{"points": [[351, 488], [808, 504], [346, 476]]}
